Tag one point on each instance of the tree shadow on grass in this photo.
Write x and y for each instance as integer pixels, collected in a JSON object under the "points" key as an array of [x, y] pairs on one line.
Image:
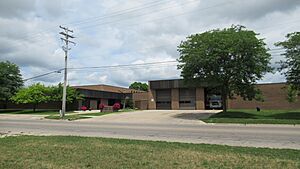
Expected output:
{"points": [[30, 112], [26, 111], [288, 115], [234, 114], [4, 111]]}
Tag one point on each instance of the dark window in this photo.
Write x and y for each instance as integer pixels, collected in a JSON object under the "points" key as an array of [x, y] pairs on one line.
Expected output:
{"points": [[163, 102], [186, 101]]}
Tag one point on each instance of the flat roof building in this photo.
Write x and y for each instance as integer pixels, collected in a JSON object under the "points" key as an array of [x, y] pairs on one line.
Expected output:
{"points": [[174, 94], [170, 95], [94, 95]]}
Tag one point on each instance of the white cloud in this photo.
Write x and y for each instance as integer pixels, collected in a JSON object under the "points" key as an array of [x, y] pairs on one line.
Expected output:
{"points": [[29, 34]]}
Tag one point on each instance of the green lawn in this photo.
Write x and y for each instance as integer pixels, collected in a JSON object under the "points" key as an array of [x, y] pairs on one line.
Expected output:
{"points": [[68, 117], [82, 152], [253, 117], [98, 114], [30, 111]]}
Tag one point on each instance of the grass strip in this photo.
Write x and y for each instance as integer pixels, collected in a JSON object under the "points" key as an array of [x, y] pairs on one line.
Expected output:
{"points": [[245, 116], [67, 117], [82, 152]]}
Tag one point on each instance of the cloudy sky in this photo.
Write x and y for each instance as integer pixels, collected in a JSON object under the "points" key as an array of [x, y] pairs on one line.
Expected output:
{"points": [[118, 32]]}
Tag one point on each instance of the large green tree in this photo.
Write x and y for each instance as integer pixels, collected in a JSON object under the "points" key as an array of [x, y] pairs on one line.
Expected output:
{"points": [[291, 65], [57, 92], [10, 80], [231, 59], [38, 93], [34, 94], [139, 86]]}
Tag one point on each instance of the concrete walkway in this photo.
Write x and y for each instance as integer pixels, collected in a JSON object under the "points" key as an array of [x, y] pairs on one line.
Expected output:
{"points": [[22, 116], [156, 117]]}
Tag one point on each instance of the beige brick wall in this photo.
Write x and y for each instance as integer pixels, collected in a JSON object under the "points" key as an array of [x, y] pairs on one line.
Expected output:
{"points": [[140, 100], [200, 105], [200, 99], [140, 96], [151, 99], [175, 99], [274, 96], [141, 104]]}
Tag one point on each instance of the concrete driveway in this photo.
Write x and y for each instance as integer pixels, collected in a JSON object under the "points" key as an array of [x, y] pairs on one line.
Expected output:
{"points": [[156, 117]]}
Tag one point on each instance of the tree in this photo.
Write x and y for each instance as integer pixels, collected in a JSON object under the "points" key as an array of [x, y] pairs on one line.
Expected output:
{"points": [[139, 86], [10, 80], [57, 92], [291, 66], [231, 59], [34, 94], [292, 94]]}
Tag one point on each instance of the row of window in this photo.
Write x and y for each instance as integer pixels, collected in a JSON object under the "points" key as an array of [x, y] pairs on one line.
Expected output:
{"points": [[163, 102]]}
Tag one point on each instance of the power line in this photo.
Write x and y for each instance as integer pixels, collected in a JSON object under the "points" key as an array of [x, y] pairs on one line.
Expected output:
{"points": [[100, 67], [125, 66], [105, 23], [45, 74], [119, 13], [146, 67], [119, 66], [156, 11], [50, 29], [183, 14]]}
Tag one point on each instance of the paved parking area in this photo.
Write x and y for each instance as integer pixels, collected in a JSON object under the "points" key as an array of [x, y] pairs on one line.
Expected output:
{"points": [[156, 116]]}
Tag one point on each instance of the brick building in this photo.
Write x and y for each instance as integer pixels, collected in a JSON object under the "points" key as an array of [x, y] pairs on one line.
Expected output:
{"points": [[93, 96], [174, 94], [108, 95], [169, 94]]}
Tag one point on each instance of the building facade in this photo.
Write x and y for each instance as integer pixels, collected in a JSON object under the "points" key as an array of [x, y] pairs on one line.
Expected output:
{"points": [[175, 95], [169, 95], [94, 95]]}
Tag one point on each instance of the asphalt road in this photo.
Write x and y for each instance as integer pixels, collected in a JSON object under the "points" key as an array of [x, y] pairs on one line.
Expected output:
{"points": [[274, 136]]}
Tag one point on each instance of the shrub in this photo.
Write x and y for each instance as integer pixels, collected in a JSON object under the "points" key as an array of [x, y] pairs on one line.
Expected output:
{"points": [[116, 106], [129, 103], [84, 108], [101, 106]]}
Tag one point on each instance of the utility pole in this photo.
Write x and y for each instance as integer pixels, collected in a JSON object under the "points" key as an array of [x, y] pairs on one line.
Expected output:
{"points": [[65, 33]]}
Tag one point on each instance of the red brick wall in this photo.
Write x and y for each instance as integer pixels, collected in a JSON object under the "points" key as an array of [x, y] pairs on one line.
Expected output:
{"points": [[274, 98]]}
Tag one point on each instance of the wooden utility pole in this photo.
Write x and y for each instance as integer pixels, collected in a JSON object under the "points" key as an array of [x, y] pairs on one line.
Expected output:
{"points": [[65, 38]]}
